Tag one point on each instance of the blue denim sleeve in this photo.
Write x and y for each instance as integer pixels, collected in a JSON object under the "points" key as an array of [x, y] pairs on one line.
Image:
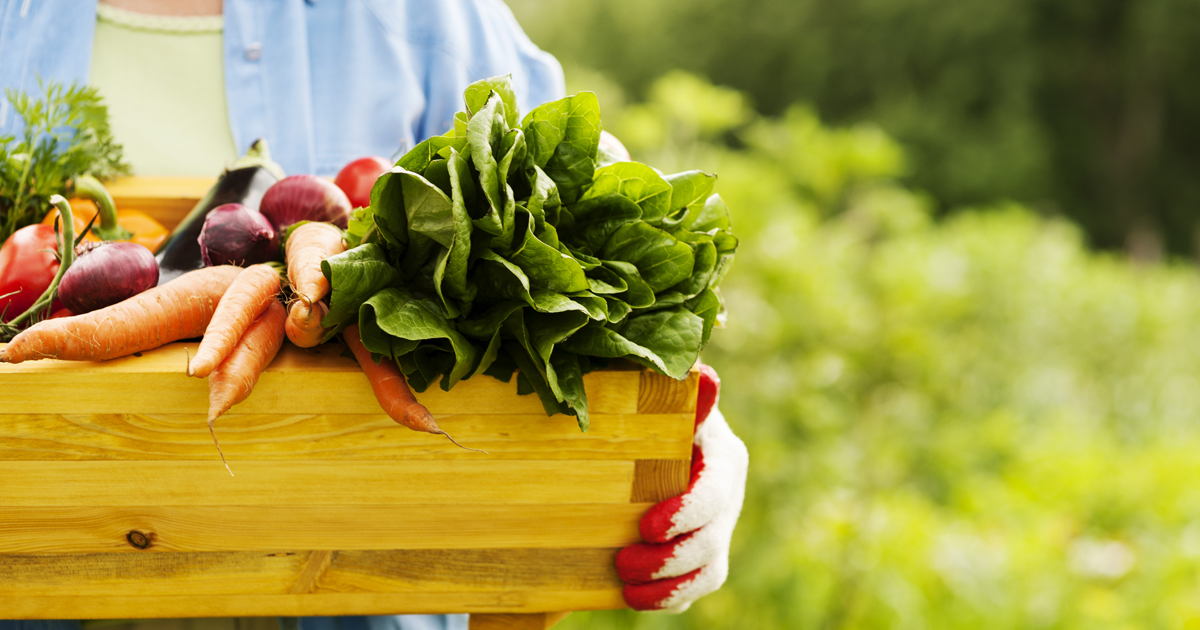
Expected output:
{"points": [[386, 622], [44, 625]]}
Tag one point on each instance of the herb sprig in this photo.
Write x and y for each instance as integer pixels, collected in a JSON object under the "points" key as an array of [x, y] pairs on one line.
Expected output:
{"points": [[66, 133]]}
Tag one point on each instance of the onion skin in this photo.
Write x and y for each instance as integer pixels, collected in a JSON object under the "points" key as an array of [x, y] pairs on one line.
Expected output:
{"points": [[305, 198], [106, 273], [236, 235]]}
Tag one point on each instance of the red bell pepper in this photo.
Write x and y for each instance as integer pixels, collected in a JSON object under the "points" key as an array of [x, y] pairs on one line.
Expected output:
{"points": [[28, 265], [30, 270]]}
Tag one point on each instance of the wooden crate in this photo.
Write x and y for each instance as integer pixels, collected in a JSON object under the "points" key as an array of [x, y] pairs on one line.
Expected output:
{"points": [[114, 503]]}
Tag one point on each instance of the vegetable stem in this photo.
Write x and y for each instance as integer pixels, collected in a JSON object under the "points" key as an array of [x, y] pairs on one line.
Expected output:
{"points": [[66, 256], [88, 187]]}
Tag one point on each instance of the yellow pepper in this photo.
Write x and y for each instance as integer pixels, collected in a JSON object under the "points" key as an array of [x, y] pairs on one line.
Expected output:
{"points": [[113, 225]]}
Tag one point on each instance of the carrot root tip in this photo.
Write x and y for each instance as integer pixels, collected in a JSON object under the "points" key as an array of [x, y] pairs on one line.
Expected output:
{"points": [[212, 430], [465, 448]]}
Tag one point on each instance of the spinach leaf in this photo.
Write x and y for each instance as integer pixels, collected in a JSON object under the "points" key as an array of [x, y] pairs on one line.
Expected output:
{"points": [[661, 259], [404, 316], [355, 275], [638, 183]]}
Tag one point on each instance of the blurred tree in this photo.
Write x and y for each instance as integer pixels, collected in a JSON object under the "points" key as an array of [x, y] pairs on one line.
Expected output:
{"points": [[1087, 108], [974, 423]]}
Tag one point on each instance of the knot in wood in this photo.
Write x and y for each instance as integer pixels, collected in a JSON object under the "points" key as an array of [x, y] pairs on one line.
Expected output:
{"points": [[138, 539]]}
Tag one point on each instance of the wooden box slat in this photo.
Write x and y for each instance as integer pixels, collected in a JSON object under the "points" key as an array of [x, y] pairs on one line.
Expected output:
{"points": [[114, 502]]}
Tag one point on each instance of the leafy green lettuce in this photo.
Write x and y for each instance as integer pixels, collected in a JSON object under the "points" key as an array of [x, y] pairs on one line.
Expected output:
{"points": [[503, 248]]}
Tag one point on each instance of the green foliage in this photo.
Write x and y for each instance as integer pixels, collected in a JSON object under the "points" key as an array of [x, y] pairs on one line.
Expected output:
{"points": [[1083, 107], [969, 424], [65, 133], [500, 246]]}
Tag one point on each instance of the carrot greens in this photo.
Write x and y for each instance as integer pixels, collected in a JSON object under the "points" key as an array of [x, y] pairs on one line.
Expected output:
{"points": [[62, 134]]}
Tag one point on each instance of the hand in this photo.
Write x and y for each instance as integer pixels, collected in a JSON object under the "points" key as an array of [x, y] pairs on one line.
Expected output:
{"points": [[686, 553]]}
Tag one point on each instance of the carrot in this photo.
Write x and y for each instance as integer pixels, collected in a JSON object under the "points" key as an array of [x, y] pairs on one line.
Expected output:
{"points": [[176, 310], [392, 392], [249, 295], [303, 326], [308, 245], [234, 379]]}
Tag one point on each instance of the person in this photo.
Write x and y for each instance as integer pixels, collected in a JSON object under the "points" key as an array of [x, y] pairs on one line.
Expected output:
{"points": [[189, 83]]}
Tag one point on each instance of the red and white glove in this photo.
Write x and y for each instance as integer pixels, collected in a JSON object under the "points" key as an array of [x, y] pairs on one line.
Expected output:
{"points": [[686, 553]]}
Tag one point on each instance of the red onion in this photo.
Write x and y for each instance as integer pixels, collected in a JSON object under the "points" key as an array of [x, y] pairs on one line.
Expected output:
{"points": [[236, 235], [106, 273], [305, 198]]}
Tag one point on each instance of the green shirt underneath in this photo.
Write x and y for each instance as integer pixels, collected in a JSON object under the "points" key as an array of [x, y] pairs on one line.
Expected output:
{"points": [[161, 77]]}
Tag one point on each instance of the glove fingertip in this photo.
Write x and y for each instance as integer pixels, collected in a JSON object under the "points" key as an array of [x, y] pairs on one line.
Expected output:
{"points": [[655, 595], [656, 524]]}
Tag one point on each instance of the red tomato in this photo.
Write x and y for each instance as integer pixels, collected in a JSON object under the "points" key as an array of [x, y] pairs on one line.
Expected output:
{"points": [[356, 179], [27, 267]]}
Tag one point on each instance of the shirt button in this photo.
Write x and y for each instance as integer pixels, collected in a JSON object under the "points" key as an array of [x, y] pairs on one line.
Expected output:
{"points": [[253, 51]]}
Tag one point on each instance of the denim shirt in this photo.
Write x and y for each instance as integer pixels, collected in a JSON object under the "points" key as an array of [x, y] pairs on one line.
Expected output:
{"points": [[324, 81]]}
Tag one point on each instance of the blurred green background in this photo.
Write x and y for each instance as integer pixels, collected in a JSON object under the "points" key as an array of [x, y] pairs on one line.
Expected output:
{"points": [[961, 346]]}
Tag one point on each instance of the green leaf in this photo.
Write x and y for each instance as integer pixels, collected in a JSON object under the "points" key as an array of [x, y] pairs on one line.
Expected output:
{"points": [[638, 183], [639, 294], [485, 132], [603, 281], [713, 216], [594, 220], [478, 93], [597, 307], [450, 274], [355, 275], [563, 138], [543, 198], [617, 310], [534, 378], [689, 190], [600, 341], [405, 202], [702, 272], [673, 335], [661, 259], [418, 159], [707, 306], [403, 315], [566, 377], [546, 266]]}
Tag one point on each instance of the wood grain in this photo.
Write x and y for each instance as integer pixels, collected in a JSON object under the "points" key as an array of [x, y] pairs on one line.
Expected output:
{"points": [[662, 394], [657, 480], [331, 384], [166, 199], [514, 600], [261, 572], [311, 573], [312, 483], [337, 436], [28, 530]]}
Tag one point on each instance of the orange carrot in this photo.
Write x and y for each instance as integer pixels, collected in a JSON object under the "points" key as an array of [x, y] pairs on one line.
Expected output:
{"points": [[249, 295], [303, 326], [176, 310], [392, 392], [308, 245], [233, 380]]}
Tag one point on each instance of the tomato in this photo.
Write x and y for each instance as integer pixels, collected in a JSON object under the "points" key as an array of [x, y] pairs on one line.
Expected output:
{"points": [[356, 178], [27, 267]]}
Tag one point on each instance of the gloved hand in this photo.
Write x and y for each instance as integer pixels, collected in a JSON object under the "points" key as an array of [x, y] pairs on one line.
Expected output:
{"points": [[685, 555]]}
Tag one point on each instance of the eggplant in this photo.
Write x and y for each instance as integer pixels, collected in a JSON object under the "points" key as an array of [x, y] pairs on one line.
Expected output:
{"points": [[244, 182]]}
